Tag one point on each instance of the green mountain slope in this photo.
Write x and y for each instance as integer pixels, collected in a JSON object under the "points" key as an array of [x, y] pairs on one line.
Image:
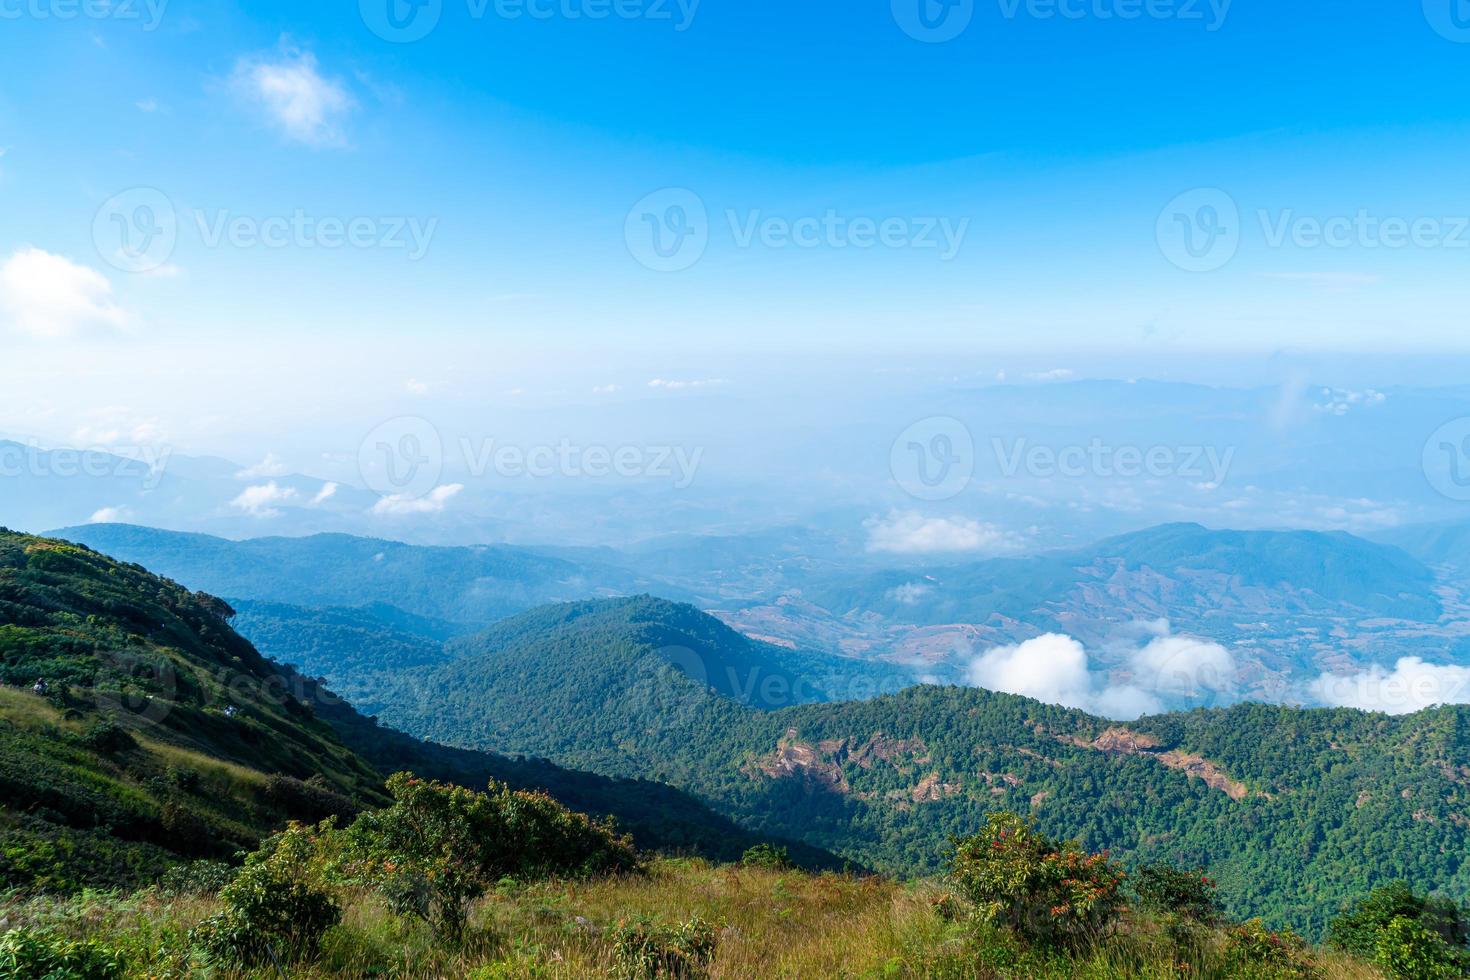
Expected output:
{"points": [[1294, 811], [161, 735]]}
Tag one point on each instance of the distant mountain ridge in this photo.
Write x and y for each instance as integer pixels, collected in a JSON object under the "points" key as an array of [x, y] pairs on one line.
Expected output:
{"points": [[472, 585]]}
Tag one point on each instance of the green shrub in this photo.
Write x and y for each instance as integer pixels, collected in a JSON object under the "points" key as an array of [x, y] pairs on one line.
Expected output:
{"points": [[1172, 891], [644, 950], [196, 878], [108, 738], [1408, 949], [767, 856], [1251, 950], [1051, 893], [26, 954], [1358, 929], [275, 909], [439, 847]]}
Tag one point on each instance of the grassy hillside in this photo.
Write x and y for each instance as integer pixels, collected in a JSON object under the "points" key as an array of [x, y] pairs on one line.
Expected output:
{"points": [[1294, 810], [162, 736], [161, 733], [764, 923]]}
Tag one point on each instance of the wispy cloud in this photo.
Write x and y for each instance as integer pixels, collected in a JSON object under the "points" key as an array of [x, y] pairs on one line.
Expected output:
{"points": [[302, 103], [911, 533], [433, 503], [272, 465]]}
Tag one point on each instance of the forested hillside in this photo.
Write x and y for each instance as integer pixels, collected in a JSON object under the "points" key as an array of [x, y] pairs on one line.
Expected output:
{"points": [[1294, 810], [140, 730]]}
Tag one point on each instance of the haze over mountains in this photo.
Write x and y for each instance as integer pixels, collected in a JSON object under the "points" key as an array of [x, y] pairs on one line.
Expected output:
{"points": [[1175, 616], [1050, 464]]}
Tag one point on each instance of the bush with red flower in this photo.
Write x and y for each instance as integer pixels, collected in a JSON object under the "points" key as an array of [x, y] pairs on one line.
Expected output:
{"points": [[1052, 893]]}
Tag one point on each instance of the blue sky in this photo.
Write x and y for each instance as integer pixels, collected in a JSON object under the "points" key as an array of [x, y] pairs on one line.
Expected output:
{"points": [[1029, 170]]}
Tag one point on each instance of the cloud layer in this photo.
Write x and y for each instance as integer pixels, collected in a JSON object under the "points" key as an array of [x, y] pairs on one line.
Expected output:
{"points": [[1412, 685]]}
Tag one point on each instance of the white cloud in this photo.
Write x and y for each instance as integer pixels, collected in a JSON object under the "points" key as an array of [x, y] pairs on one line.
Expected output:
{"points": [[911, 533], [607, 389], [272, 465], [260, 501], [306, 106], [147, 105], [436, 501], [1340, 401], [1050, 668], [1411, 686], [1184, 666], [1055, 374], [47, 295], [326, 493], [685, 385], [415, 387], [910, 592], [1054, 668], [108, 515]]}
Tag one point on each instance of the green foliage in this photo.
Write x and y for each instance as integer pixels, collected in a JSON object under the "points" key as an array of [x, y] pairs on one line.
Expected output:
{"points": [[130, 763], [644, 950], [1359, 929], [1408, 949], [769, 856], [27, 954], [1172, 891], [1051, 893], [439, 847], [275, 909], [196, 878], [1251, 950]]}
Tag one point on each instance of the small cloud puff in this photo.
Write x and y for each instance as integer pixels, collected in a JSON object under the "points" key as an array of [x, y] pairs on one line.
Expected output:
{"points": [[261, 501], [910, 593], [685, 385], [911, 533], [297, 99], [435, 502]]}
